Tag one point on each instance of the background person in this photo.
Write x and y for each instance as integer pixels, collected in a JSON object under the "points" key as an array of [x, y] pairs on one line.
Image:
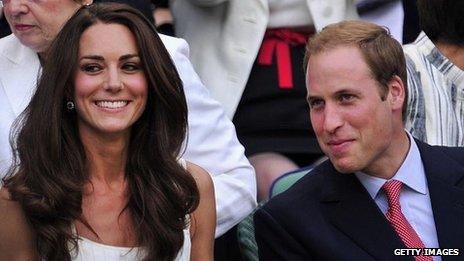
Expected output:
{"points": [[163, 17], [381, 189], [435, 63], [387, 13], [97, 174], [211, 136]]}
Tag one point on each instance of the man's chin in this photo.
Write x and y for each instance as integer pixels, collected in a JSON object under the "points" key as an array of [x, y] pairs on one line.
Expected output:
{"points": [[344, 165]]}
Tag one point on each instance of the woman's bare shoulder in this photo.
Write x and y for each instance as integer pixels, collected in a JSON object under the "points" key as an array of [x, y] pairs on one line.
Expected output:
{"points": [[8, 207], [203, 219], [201, 176]]}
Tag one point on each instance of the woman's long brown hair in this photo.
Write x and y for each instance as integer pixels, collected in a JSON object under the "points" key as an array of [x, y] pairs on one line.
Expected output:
{"points": [[51, 167]]}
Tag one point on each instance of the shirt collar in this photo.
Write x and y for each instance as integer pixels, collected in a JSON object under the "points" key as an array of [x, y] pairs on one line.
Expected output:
{"points": [[428, 49], [411, 173]]}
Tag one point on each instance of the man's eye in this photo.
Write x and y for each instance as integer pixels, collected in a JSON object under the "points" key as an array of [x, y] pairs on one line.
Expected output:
{"points": [[346, 97], [316, 103]]}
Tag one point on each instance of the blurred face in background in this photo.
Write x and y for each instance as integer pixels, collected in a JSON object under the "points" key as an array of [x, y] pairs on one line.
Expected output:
{"points": [[37, 22]]}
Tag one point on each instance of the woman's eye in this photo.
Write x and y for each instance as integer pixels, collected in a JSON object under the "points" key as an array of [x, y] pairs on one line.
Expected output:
{"points": [[91, 68], [131, 67]]}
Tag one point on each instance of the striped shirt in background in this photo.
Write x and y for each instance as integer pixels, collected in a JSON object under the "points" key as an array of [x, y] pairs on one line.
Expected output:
{"points": [[435, 110]]}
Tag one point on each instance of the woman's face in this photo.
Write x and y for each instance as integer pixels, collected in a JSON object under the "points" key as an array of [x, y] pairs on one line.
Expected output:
{"points": [[110, 84], [37, 22]]}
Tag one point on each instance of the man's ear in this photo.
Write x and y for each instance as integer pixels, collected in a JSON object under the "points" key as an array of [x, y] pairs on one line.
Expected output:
{"points": [[396, 92]]}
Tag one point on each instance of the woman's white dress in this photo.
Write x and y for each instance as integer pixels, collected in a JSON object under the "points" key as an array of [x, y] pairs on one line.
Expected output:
{"points": [[92, 251]]}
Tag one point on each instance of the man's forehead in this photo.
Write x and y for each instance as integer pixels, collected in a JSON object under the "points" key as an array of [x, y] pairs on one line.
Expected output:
{"points": [[346, 60], [336, 51]]}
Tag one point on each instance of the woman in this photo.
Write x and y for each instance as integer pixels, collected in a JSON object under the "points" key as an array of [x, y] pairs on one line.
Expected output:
{"points": [[101, 180], [36, 23]]}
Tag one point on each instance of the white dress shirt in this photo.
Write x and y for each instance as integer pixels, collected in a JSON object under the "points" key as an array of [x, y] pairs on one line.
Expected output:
{"points": [[414, 197], [211, 143]]}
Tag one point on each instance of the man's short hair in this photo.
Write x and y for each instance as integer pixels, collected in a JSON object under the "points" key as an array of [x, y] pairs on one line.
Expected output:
{"points": [[382, 53], [442, 20]]}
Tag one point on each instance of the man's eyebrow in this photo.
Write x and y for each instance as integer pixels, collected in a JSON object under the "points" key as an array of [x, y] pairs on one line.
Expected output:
{"points": [[342, 91], [345, 90], [311, 97]]}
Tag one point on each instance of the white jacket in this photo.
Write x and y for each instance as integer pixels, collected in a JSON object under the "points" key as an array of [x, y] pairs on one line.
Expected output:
{"points": [[212, 142], [225, 37]]}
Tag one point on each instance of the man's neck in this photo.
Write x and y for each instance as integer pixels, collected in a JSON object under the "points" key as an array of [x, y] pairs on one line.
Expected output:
{"points": [[392, 159], [453, 52]]}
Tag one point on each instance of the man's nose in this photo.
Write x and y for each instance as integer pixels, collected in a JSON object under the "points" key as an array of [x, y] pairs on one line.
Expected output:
{"points": [[332, 119]]}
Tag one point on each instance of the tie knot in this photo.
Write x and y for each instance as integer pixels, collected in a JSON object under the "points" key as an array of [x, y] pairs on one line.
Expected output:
{"points": [[392, 188]]}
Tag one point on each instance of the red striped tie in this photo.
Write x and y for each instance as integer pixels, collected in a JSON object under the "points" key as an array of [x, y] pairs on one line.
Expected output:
{"points": [[401, 225]]}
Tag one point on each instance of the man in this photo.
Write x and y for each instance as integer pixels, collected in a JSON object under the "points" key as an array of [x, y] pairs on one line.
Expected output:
{"points": [[211, 143], [381, 190], [435, 64]]}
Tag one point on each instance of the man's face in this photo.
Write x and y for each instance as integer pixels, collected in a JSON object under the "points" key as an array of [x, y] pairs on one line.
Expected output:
{"points": [[37, 22], [353, 125]]}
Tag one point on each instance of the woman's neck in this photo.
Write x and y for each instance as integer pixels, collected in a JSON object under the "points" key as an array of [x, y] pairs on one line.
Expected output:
{"points": [[106, 158]]}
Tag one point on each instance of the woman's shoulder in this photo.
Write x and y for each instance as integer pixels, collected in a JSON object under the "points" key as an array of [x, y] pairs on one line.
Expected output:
{"points": [[7, 205], [201, 176], [203, 219], [16, 236]]}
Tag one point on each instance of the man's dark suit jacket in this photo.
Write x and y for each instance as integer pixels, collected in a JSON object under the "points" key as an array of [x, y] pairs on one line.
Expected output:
{"points": [[330, 216]]}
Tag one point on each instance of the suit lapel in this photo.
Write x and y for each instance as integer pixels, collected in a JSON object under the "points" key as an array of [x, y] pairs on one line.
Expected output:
{"points": [[351, 209], [19, 78], [443, 177]]}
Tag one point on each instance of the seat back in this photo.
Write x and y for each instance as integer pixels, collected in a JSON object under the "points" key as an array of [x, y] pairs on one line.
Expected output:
{"points": [[246, 229], [287, 180], [246, 236]]}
